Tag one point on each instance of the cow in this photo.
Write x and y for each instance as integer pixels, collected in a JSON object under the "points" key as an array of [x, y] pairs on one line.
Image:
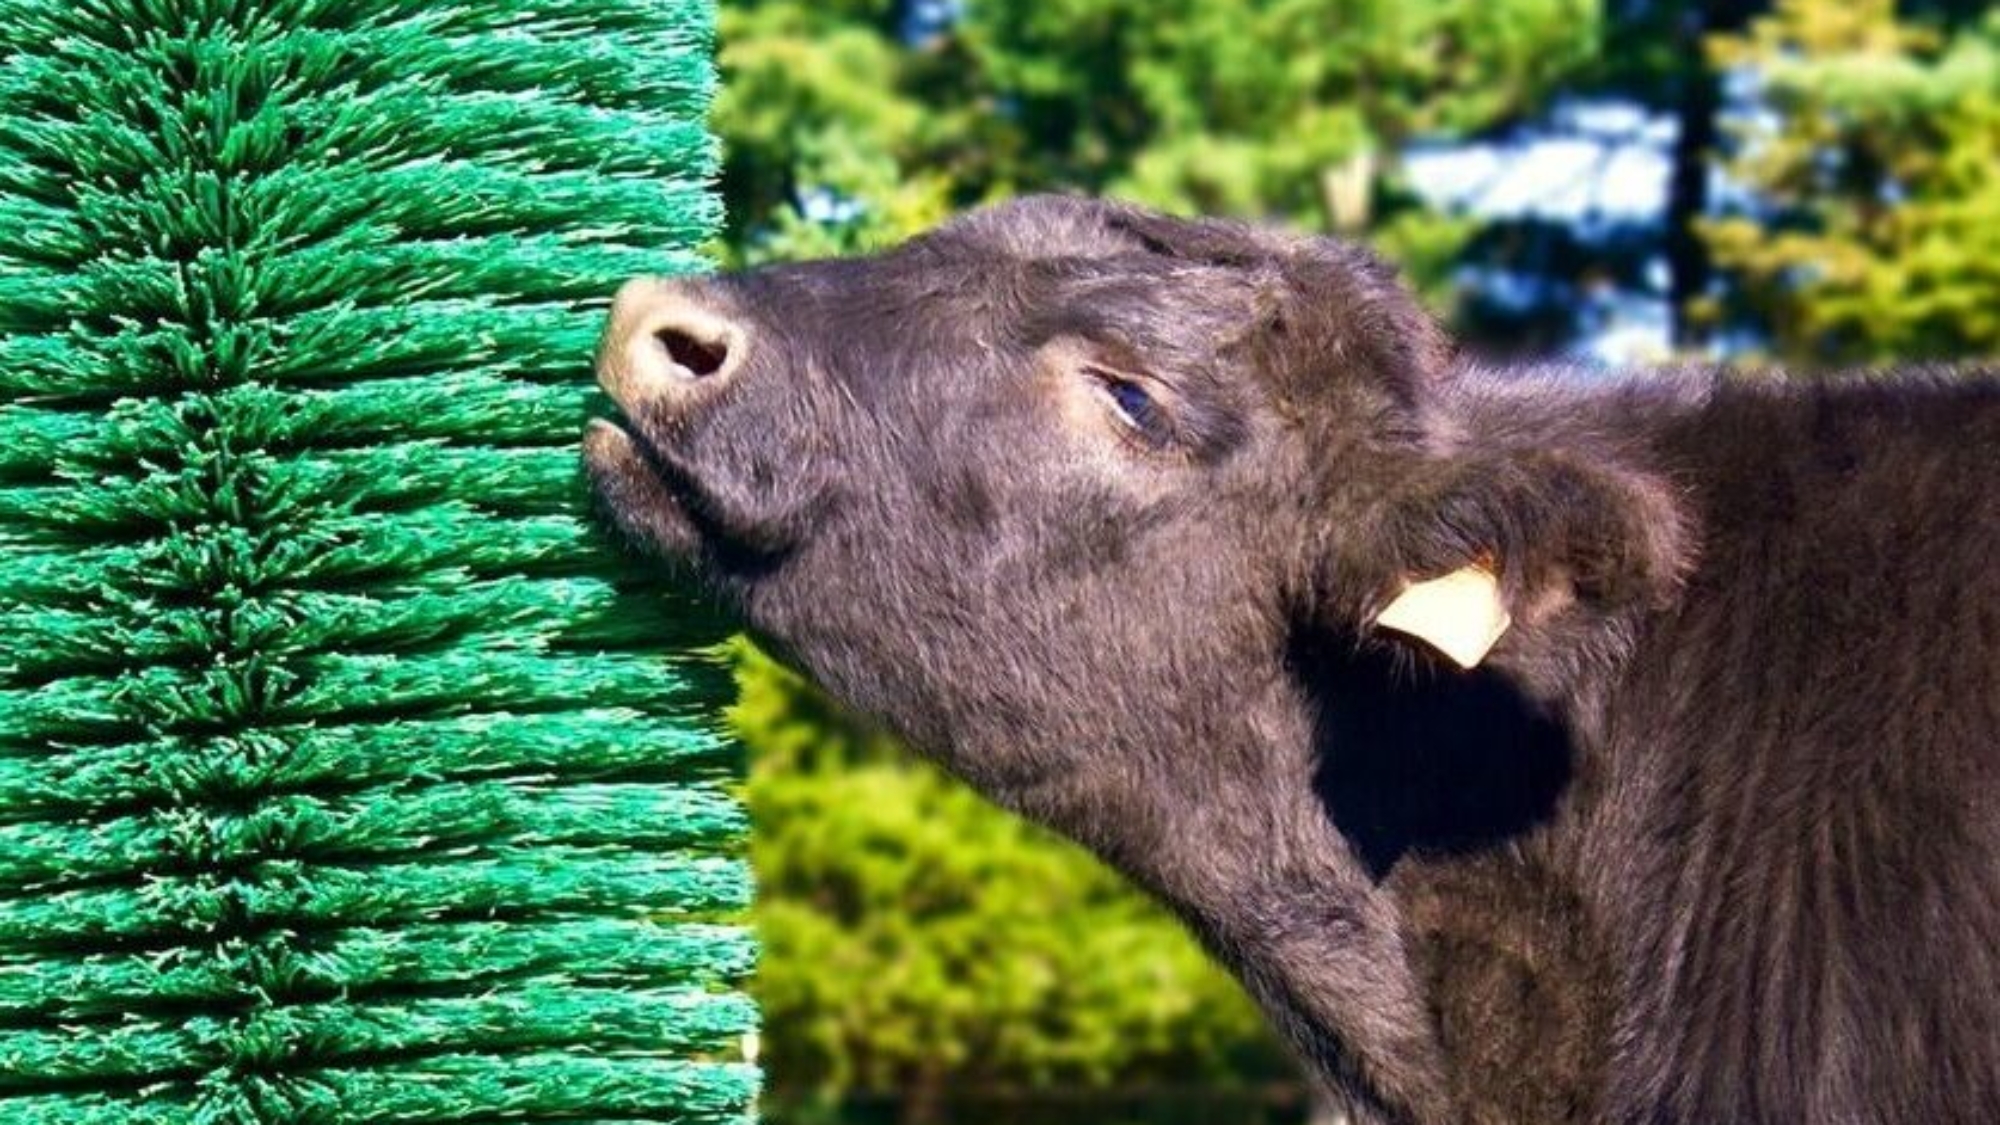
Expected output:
{"points": [[1534, 745]]}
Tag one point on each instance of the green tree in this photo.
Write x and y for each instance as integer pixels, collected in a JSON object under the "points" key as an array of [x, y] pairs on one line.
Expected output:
{"points": [[1653, 56], [912, 931], [1885, 243], [1229, 107], [1263, 108], [819, 98]]}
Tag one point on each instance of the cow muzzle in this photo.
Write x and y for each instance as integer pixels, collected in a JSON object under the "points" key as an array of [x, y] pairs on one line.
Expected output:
{"points": [[669, 344]]}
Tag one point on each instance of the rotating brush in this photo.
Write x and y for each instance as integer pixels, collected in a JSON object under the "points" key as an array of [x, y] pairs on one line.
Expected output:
{"points": [[345, 778]]}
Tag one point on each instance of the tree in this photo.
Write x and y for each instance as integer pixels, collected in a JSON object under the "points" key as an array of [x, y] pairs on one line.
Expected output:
{"points": [[1241, 108], [1219, 106], [814, 110], [1872, 230], [1653, 55], [913, 932]]}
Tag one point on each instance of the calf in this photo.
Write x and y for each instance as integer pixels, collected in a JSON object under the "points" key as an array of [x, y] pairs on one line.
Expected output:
{"points": [[1136, 524]]}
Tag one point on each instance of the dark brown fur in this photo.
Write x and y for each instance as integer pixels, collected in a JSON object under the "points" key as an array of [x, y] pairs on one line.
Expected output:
{"points": [[1712, 838]]}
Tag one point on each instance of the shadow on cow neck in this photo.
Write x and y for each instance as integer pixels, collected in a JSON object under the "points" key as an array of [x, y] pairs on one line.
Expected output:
{"points": [[1416, 758]]}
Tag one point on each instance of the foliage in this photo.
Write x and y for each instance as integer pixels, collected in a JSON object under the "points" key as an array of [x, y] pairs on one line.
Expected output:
{"points": [[1211, 105], [814, 108], [1226, 107], [914, 932], [1883, 234]]}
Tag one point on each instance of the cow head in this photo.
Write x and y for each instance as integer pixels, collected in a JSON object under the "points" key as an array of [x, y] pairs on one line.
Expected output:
{"points": [[1054, 489]]}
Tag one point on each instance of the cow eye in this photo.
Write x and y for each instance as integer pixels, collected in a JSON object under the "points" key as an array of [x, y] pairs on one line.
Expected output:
{"points": [[1134, 406]]}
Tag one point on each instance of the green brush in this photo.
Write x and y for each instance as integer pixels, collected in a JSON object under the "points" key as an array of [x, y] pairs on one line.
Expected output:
{"points": [[343, 778]]}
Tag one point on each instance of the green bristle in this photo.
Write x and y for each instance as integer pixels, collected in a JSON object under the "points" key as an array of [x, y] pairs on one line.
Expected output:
{"points": [[345, 777]]}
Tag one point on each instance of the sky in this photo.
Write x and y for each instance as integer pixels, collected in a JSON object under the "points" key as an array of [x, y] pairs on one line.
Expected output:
{"points": [[1600, 168]]}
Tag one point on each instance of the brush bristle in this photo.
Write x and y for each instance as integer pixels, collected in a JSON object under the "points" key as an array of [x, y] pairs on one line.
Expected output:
{"points": [[345, 778]]}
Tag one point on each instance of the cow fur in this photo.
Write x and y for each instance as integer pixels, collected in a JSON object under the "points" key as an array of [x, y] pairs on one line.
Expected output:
{"points": [[1713, 837]]}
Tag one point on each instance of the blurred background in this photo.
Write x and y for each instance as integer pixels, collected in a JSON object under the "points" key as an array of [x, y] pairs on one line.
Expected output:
{"points": [[1807, 183]]}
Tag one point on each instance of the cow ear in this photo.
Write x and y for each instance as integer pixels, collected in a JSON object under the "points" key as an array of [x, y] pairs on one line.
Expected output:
{"points": [[1545, 547]]}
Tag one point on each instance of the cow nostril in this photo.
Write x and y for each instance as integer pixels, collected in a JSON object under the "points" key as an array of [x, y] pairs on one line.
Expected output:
{"points": [[698, 357], [668, 337]]}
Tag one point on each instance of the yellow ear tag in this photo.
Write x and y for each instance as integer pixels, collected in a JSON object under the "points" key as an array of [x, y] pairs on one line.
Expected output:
{"points": [[1460, 614]]}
